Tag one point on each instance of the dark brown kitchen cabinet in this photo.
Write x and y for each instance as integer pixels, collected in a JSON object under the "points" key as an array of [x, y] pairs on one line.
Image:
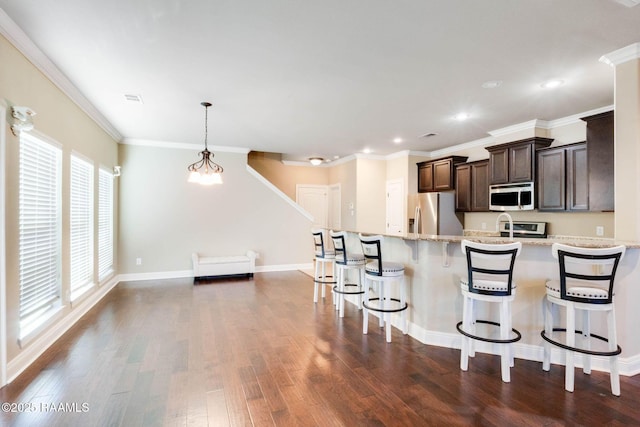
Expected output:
{"points": [[600, 134], [472, 186], [425, 177], [515, 161], [563, 182], [437, 175]]}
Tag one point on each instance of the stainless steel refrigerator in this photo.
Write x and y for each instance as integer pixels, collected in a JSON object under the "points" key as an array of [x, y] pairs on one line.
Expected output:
{"points": [[434, 213]]}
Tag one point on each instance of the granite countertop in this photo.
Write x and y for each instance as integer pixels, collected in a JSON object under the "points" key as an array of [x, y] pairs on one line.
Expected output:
{"points": [[483, 236]]}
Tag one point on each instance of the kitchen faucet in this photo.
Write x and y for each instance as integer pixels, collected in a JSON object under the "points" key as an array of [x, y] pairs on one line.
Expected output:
{"points": [[510, 224]]}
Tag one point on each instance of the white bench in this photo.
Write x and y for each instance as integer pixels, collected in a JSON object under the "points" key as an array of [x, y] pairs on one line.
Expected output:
{"points": [[224, 266]]}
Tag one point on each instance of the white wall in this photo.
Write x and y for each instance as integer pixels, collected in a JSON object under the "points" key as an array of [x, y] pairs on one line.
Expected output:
{"points": [[163, 218], [371, 194]]}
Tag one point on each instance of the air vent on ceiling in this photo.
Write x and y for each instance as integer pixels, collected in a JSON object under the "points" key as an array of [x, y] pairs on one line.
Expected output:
{"points": [[428, 135], [628, 3], [133, 98]]}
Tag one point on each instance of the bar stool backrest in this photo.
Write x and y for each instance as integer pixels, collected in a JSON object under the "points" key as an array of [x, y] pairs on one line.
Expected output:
{"points": [[372, 252], [318, 242], [591, 266], [490, 263], [339, 244]]}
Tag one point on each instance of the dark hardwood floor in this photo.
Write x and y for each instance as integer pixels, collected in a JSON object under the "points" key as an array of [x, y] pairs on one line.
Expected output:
{"points": [[259, 352]]}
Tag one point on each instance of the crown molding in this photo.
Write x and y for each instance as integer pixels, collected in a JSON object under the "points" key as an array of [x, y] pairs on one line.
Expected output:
{"points": [[531, 124], [577, 118], [182, 145], [23, 43], [623, 55]]}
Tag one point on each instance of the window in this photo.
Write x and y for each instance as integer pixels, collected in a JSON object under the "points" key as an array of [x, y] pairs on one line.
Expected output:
{"points": [[40, 229], [81, 224], [105, 223]]}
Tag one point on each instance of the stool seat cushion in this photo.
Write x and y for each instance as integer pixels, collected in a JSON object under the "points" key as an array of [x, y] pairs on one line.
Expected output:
{"points": [[354, 259], [327, 255], [486, 285], [576, 289], [388, 268]]}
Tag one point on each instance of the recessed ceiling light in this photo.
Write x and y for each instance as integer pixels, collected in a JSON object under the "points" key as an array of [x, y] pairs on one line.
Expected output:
{"points": [[397, 140], [461, 117], [366, 151], [492, 84], [552, 84], [132, 97]]}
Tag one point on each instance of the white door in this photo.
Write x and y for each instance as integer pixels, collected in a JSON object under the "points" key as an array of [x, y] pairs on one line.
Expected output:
{"points": [[314, 199], [395, 207], [335, 207]]}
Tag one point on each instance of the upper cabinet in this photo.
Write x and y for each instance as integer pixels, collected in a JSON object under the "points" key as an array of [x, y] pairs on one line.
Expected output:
{"points": [[601, 161], [472, 186], [515, 161], [437, 175], [563, 181]]}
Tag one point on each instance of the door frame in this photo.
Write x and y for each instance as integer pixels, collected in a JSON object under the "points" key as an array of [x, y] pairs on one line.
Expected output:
{"points": [[3, 253]]}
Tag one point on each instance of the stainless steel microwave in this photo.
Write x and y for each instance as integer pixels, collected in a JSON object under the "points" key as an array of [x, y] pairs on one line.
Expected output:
{"points": [[512, 197]]}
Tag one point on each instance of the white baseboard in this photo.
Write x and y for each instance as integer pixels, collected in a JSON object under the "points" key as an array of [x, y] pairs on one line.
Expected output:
{"points": [[282, 267], [40, 344], [157, 275]]}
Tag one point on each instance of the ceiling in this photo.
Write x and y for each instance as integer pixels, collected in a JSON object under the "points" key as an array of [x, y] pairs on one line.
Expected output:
{"points": [[329, 78]]}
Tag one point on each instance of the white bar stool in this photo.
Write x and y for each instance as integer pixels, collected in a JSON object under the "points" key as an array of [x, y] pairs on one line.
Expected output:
{"points": [[489, 279], [323, 256], [586, 283], [346, 261], [383, 273]]}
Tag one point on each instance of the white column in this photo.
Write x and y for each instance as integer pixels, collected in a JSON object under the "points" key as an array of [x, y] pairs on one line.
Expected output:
{"points": [[626, 62]]}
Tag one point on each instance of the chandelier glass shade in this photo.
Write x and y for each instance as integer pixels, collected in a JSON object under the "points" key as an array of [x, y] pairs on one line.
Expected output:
{"points": [[205, 171]]}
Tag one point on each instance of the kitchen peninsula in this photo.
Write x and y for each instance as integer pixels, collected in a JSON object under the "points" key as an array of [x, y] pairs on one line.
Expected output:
{"points": [[434, 265]]}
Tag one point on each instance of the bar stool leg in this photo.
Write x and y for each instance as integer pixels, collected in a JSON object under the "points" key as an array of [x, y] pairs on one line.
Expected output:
{"points": [[472, 326], [403, 301], [323, 278], [365, 312], [360, 286], [505, 359], [464, 347], [548, 331], [316, 278], [613, 345], [337, 297], [333, 275], [387, 316], [586, 342], [571, 342], [509, 326], [381, 293], [341, 273]]}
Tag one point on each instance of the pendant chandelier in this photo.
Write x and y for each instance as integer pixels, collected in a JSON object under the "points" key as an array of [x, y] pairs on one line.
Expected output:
{"points": [[205, 171]]}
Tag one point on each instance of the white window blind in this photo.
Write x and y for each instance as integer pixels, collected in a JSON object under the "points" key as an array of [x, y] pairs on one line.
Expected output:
{"points": [[39, 222], [81, 223], [105, 223]]}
